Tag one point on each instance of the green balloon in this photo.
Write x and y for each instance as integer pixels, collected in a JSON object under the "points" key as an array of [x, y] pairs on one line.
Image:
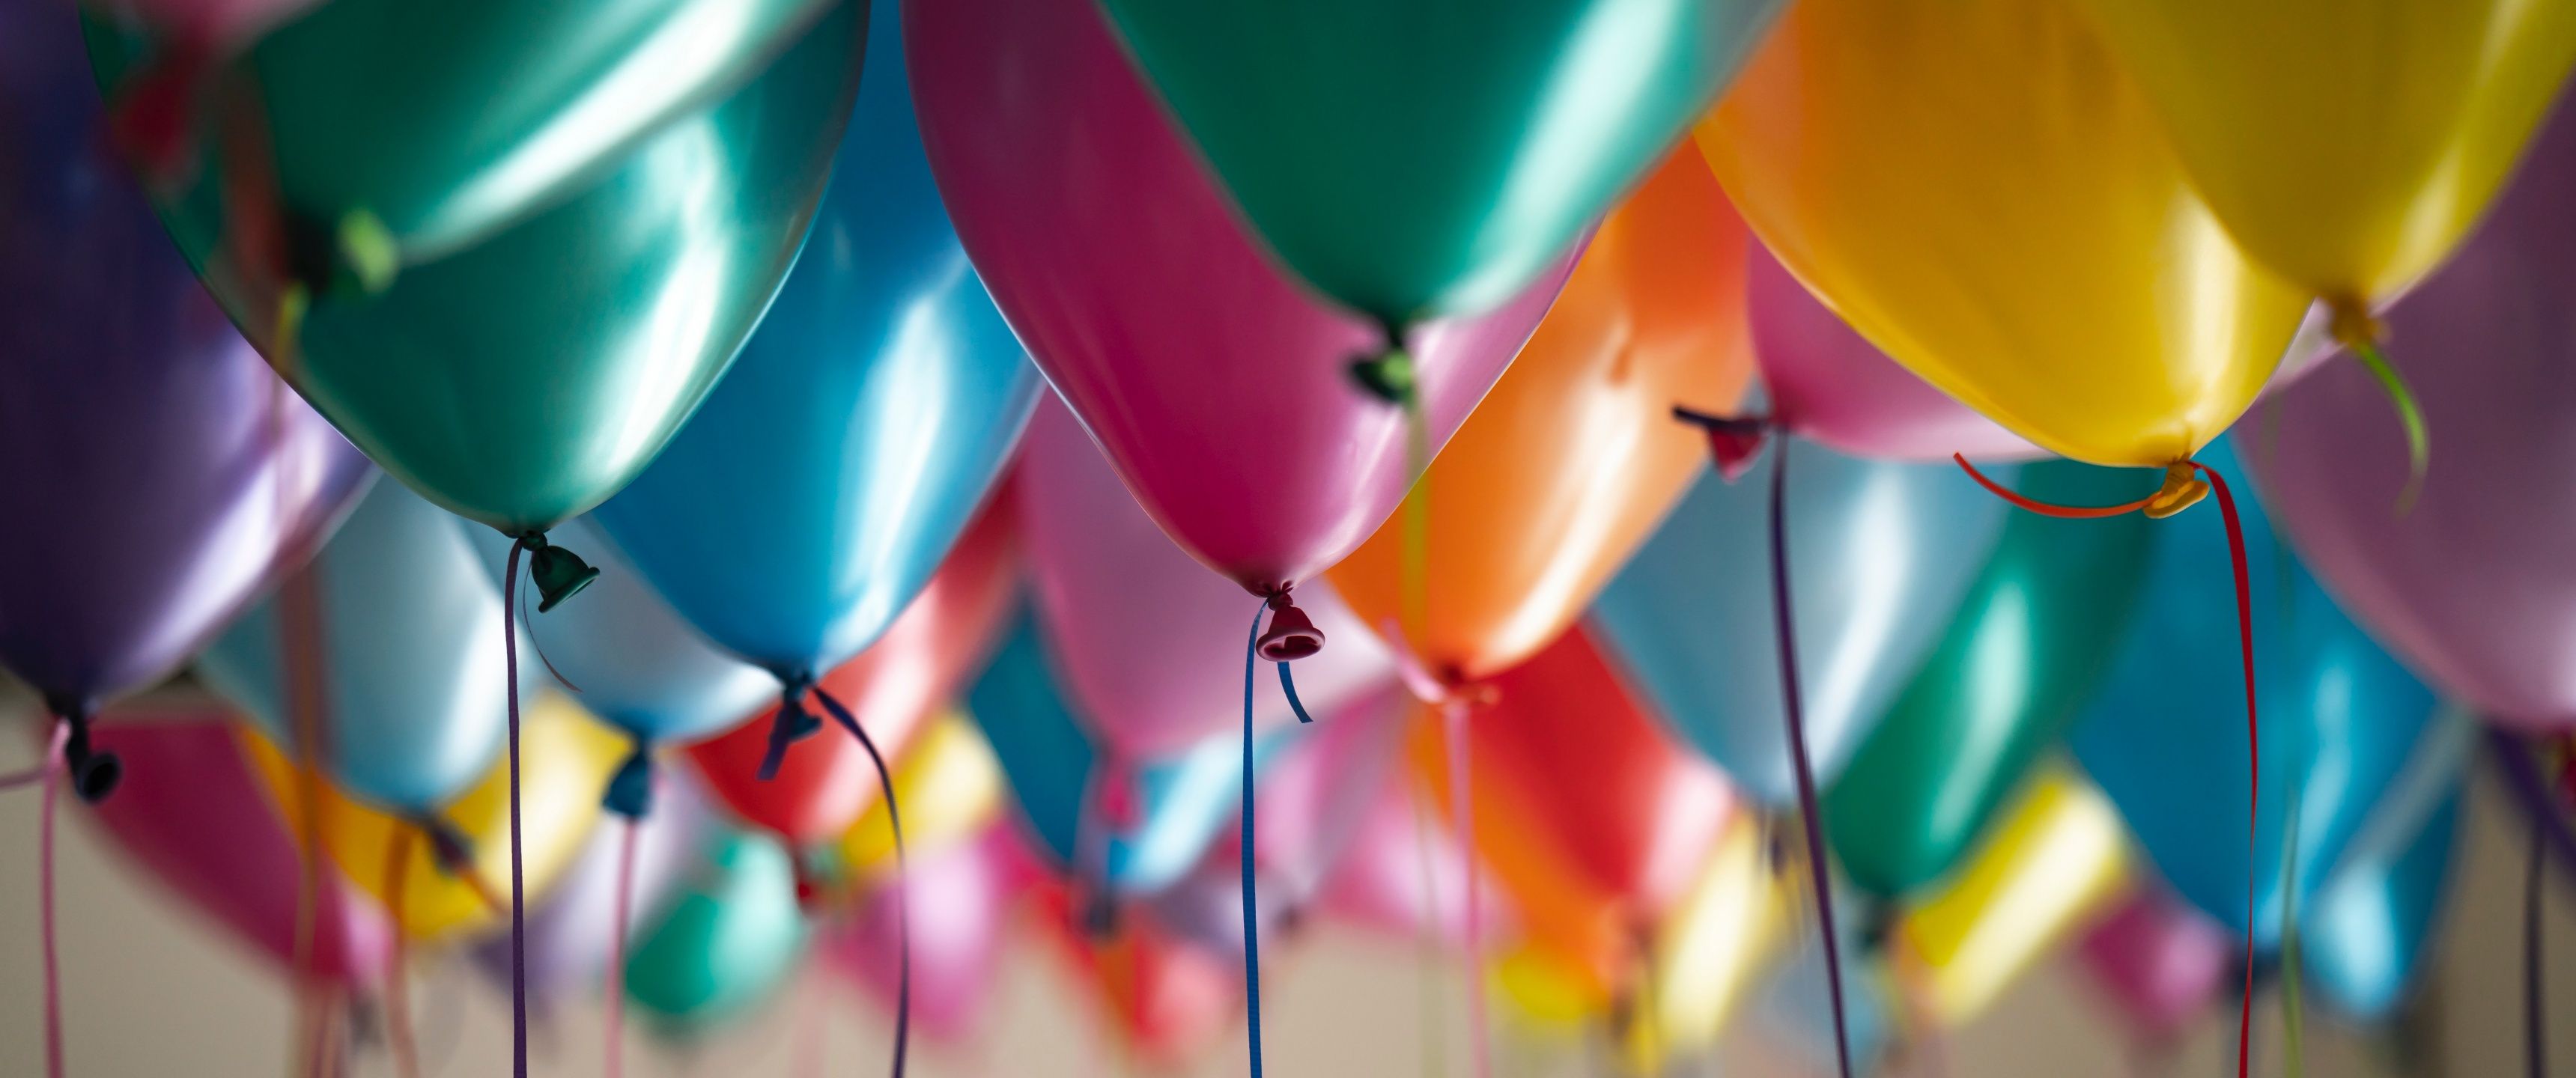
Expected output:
{"points": [[2040, 626], [729, 942], [521, 380], [1413, 158]]}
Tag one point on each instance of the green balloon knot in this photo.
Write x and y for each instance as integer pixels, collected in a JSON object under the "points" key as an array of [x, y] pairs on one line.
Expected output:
{"points": [[1388, 376], [369, 252], [559, 573]]}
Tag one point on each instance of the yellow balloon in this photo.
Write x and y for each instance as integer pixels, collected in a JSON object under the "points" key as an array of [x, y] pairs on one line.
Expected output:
{"points": [[1547, 993], [948, 785], [1980, 190], [1708, 951], [2347, 144], [2055, 861], [565, 760]]}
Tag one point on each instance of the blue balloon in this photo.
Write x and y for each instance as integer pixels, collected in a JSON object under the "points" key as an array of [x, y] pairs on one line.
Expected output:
{"points": [[2362, 939], [816, 491], [2166, 739], [1881, 555], [410, 639], [1183, 802]]}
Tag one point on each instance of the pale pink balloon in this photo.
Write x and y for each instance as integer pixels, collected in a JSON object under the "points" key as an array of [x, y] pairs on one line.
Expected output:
{"points": [[1149, 645], [962, 899], [1218, 387], [2160, 962], [1404, 874]]}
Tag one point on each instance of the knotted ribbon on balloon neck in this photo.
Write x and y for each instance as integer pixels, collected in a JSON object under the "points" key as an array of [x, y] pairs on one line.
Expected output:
{"points": [[1292, 636], [558, 574], [2186, 482], [2356, 330]]}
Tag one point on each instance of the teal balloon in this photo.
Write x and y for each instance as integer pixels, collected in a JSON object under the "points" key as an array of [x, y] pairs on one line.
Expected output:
{"points": [[523, 378], [730, 942], [2364, 940], [1880, 557], [410, 658], [816, 492], [1182, 802], [2341, 722], [1413, 158]]}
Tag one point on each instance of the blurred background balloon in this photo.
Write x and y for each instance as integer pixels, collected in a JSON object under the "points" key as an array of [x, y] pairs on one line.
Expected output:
{"points": [[2159, 963], [727, 945], [572, 927], [950, 788], [2367, 936], [1404, 875], [1706, 956], [963, 899], [2054, 861]]}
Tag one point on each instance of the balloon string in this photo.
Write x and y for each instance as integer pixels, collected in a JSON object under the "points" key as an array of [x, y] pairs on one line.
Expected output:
{"points": [[518, 878], [902, 904], [2293, 1049], [621, 917], [397, 990], [2539, 801], [2535, 1008], [1288, 685], [1427, 927], [1453, 719], [1785, 631], [1251, 902], [2253, 749], [2409, 413], [53, 779], [2049, 509]]}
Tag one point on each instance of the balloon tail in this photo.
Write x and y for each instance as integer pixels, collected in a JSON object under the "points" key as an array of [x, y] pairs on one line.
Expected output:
{"points": [[53, 779], [2363, 339], [2535, 1007], [1251, 901], [2253, 749], [2293, 1048], [622, 917], [1733, 441], [518, 877], [902, 904], [1288, 686], [1453, 720], [1784, 630], [406, 1052]]}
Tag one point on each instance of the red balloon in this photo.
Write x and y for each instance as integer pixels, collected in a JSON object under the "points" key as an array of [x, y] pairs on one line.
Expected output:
{"points": [[920, 663], [1165, 1000]]}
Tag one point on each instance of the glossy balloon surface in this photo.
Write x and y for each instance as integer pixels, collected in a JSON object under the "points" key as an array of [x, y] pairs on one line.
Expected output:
{"points": [[728, 944]]}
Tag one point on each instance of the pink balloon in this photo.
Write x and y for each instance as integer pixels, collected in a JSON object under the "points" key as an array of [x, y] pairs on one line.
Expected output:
{"points": [[2160, 962], [962, 899], [2474, 586], [1149, 645], [1404, 874], [192, 812], [1218, 388]]}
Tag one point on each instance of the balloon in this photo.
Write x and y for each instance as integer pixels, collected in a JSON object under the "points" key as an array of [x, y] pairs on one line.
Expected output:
{"points": [[173, 473], [1706, 954], [1883, 554], [1567, 465], [2160, 963], [2037, 630], [824, 783], [1200, 371], [1591, 817], [1404, 876], [1412, 159], [635, 664], [219, 24], [813, 496], [522, 378], [962, 902], [2340, 722], [572, 928], [1164, 1000], [406, 649], [2472, 585], [196, 819], [1798, 1005], [949, 787], [2365, 936], [1149, 641], [568, 756], [2347, 146], [730, 943], [2057, 858], [1979, 190]]}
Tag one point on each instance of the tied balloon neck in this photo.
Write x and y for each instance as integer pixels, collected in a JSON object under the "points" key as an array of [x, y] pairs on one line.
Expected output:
{"points": [[1734, 442], [2182, 489], [94, 774], [819, 877], [630, 789], [1388, 375], [1097, 916], [559, 574], [448, 848], [1291, 635], [794, 722], [354, 255]]}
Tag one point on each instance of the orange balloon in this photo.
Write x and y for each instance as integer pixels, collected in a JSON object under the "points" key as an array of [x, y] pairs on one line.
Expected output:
{"points": [[1574, 457]]}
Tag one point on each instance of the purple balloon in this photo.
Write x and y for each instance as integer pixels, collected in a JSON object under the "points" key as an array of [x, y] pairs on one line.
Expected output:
{"points": [[159, 472], [2474, 586]]}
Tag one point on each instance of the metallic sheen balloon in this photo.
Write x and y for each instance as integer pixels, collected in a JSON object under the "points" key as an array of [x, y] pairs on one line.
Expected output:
{"points": [[522, 379], [408, 648], [1880, 557], [729, 943], [160, 473], [813, 496]]}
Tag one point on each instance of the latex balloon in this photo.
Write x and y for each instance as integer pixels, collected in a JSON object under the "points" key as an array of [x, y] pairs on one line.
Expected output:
{"points": [[567, 757], [1798, 1005], [963, 898], [1404, 876], [1882, 556], [2160, 963], [2471, 585], [2057, 859], [2365, 939], [826, 781], [174, 473], [572, 929], [1980, 190], [949, 787], [1317, 799], [1827, 382], [1415, 159], [2035, 634], [2340, 722], [1163, 1000], [1708, 952], [1569, 462], [1591, 816], [406, 634], [2346, 146], [1150, 643], [195, 818], [730, 943], [1547, 994], [523, 378], [634, 662], [813, 496], [1205, 376]]}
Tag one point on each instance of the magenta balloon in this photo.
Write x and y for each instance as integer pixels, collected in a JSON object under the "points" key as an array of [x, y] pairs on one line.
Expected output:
{"points": [[1314, 801], [2473, 587], [1404, 874], [193, 814], [1149, 646], [2160, 962], [1217, 387], [962, 901]]}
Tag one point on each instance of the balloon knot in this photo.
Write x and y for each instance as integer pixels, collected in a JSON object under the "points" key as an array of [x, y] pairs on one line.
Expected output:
{"points": [[793, 723], [630, 790], [1291, 635], [1389, 375], [94, 773], [558, 573], [1733, 441], [2352, 323], [2183, 488], [448, 847]]}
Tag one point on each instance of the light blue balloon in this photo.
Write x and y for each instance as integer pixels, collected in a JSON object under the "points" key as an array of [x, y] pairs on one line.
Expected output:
{"points": [[2363, 938], [1880, 556], [2166, 739], [728, 944], [1799, 1003], [1183, 802], [624, 653], [816, 491], [412, 664]]}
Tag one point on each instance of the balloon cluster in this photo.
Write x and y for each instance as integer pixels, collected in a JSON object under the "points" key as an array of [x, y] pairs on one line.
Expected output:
{"points": [[897, 408]]}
